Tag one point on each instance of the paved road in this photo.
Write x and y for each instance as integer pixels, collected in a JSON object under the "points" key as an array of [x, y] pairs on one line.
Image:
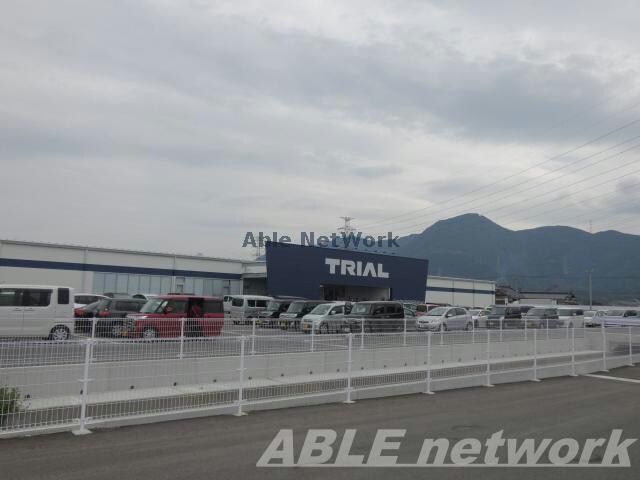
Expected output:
{"points": [[229, 447]]}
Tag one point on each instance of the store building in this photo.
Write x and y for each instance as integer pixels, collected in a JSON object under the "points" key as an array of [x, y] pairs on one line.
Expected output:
{"points": [[102, 270]]}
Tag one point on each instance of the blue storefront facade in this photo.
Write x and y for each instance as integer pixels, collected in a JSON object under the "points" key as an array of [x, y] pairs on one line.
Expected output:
{"points": [[309, 272]]}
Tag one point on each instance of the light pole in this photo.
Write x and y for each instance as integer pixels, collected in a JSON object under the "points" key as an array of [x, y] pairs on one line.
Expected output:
{"points": [[590, 274]]}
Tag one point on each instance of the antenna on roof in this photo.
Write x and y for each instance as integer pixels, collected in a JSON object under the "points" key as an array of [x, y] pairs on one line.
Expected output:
{"points": [[347, 227]]}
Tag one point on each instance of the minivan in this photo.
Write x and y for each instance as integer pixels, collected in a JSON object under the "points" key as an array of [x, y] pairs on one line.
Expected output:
{"points": [[242, 307], [163, 316], [270, 316], [326, 318], [382, 316], [295, 312], [36, 310]]}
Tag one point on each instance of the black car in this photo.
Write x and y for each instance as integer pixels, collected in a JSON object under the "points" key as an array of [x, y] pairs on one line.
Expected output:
{"points": [[111, 313], [542, 317], [298, 309], [270, 317], [83, 316], [506, 316], [376, 316]]}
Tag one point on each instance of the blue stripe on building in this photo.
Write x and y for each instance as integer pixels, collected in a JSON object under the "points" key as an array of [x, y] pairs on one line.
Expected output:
{"points": [[92, 267], [460, 290]]}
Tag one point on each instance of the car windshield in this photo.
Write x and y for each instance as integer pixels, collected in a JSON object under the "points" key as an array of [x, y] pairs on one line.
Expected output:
{"points": [[535, 312], [615, 313], [296, 307], [437, 312], [321, 309], [91, 307], [564, 312], [273, 306], [361, 308], [498, 310], [153, 306]]}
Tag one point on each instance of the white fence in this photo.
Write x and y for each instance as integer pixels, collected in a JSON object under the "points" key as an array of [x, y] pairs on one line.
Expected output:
{"points": [[92, 381]]}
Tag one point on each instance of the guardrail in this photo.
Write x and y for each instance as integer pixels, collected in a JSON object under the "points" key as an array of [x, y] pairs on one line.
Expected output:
{"points": [[89, 381]]}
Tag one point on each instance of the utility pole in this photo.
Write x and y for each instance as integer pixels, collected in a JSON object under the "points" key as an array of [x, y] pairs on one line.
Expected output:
{"points": [[347, 228], [590, 274]]}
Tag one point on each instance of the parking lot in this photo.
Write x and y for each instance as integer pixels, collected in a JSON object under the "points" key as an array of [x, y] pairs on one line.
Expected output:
{"points": [[226, 447]]}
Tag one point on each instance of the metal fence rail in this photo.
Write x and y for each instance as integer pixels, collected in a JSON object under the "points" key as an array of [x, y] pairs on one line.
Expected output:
{"points": [[92, 380]]}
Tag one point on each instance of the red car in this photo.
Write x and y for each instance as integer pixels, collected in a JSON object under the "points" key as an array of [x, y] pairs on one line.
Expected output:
{"points": [[163, 316]]}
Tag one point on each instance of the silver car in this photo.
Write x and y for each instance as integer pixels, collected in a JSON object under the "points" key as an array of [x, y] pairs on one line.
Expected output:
{"points": [[326, 318], [445, 318]]}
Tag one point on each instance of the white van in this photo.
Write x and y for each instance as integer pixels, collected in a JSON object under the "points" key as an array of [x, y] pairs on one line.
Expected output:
{"points": [[244, 306], [36, 311]]}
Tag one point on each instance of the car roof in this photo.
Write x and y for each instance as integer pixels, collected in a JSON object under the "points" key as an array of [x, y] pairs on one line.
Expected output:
{"points": [[186, 297]]}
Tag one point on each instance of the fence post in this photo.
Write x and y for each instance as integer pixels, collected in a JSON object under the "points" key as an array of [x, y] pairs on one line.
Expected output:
{"points": [[441, 332], [361, 334], [501, 326], [604, 349], [313, 335], [239, 412], [428, 391], [404, 336], [82, 422], [547, 329], [253, 336], [524, 320], [349, 363], [181, 338], [630, 347], [535, 357], [473, 331], [488, 384], [573, 352]]}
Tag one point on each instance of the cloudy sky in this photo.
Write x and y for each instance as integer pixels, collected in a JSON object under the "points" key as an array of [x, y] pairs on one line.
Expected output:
{"points": [[180, 125]]}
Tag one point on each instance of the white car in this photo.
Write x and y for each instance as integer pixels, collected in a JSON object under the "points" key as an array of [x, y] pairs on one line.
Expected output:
{"points": [[445, 318], [326, 318], [82, 299], [42, 311], [571, 317]]}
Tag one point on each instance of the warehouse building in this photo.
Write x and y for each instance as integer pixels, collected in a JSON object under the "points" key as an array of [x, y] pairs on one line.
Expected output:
{"points": [[103, 270]]}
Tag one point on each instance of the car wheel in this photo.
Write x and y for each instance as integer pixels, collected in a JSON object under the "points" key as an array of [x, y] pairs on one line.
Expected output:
{"points": [[116, 330], [150, 332], [59, 333], [469, 326], [324, 328]]}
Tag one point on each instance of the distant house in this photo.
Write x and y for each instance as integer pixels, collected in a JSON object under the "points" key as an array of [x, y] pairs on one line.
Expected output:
{"points": [[506, 294]]}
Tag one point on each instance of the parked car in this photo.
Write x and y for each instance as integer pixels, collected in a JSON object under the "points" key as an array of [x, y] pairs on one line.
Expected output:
{"points": [[506, 316], [423, 308], [326, 318], [298, 309], [163, 317], [479, 316], [110, 315], [270, 316], [145, 296], [445, 318], [117, 295], [571, 317], [83, 316], [241, 308], [542, 317], [36, 310], [620, 318], [597, 320], [380, 316], [82, 299]]}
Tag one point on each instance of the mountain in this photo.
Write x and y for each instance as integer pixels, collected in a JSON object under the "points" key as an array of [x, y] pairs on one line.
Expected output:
{"points": [[547, 258]]}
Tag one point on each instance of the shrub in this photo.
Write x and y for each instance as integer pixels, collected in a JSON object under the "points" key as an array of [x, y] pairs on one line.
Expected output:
{"points": [[9, 401]]}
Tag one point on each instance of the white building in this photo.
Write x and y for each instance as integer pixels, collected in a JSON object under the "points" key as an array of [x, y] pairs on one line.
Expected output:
{"points": [[102, 270]]}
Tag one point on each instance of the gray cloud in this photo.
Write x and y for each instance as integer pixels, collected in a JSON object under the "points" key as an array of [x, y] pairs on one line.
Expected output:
{"points": [[216, 118]]}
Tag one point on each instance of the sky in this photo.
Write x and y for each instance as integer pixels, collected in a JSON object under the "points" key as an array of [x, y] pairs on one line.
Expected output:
{"points": [[181, 125]]}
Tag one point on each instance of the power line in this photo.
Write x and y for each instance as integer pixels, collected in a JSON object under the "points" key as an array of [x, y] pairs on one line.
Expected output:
{"points": [[508, 177]]}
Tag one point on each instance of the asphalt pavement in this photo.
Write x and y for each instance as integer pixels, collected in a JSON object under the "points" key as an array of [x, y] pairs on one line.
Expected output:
{"points": [[225, 447]]}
